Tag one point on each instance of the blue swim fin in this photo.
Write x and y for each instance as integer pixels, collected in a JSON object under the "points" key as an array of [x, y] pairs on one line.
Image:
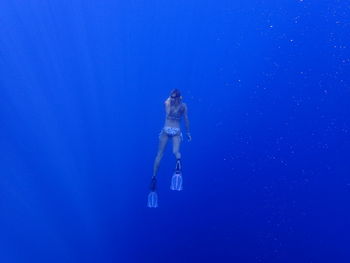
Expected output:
{"points": [[176, 180], [152, 200], [152, 196]]}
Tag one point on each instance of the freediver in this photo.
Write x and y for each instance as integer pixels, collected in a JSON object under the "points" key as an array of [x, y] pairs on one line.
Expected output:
{"points": [[175, 109]]}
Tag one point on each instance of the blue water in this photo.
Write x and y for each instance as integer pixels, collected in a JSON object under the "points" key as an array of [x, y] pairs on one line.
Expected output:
{"points": [[82, 86]]}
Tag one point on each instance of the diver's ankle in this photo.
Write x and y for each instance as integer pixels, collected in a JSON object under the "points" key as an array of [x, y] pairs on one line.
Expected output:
{"points": [[178, 164]]}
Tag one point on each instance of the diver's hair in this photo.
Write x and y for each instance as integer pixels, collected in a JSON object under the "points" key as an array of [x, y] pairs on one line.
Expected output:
{"points": [[176, 92], [178, 97]]}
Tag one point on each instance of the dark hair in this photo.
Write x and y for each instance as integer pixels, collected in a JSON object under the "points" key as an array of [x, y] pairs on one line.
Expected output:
{"points": [[176, 92]]}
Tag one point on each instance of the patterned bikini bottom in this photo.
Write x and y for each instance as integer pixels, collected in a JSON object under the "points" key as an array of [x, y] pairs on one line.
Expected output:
{"points": [[171, 131]]}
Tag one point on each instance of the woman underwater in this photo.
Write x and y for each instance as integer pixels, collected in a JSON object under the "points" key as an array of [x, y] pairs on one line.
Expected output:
{"points": [[175, 109]]}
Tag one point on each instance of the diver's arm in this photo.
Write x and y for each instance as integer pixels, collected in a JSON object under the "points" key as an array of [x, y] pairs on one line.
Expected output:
{"points": [[167, 107], [187, 123]]}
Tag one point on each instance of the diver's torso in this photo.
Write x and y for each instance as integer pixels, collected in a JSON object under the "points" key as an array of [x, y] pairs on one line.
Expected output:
{"points": [[174, 116]]}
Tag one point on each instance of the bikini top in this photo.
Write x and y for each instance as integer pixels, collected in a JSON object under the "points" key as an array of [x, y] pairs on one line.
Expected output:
{"points": [[175, 114]]}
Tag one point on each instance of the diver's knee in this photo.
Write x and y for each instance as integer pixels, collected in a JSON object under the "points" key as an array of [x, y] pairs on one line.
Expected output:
{"points": [[177, 154]]}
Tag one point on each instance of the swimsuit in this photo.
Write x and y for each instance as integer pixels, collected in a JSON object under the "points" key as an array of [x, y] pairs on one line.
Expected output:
{"points": [[175, 115], [171, 131]]}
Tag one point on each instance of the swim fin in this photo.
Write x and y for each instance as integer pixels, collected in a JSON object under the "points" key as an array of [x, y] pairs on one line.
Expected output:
{"points": [[152, 200], [152, 196], [176, 180], [153, 185]]}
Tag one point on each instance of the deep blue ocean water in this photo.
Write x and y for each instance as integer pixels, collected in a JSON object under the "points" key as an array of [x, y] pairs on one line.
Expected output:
{"points": [[82, 87]]}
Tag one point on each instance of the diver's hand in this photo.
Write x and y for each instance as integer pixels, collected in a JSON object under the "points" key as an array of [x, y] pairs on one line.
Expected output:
{"points": [[189, 137]]}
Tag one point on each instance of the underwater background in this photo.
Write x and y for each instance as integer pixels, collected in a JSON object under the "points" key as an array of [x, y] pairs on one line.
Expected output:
{"points": [[82, 90]]}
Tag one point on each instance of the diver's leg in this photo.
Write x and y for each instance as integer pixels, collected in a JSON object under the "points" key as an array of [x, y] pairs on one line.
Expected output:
{"points": [[163, 140], [176, 146], [176, 179]]}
